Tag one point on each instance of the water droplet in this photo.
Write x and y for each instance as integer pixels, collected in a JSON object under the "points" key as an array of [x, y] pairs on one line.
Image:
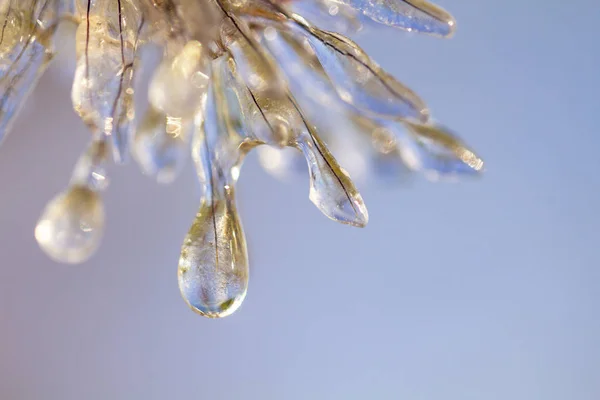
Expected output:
{"points": [[213, 267], [71, 226]]}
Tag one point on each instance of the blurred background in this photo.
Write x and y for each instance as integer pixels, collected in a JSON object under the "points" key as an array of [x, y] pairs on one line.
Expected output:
{"points": [[485, 289]]}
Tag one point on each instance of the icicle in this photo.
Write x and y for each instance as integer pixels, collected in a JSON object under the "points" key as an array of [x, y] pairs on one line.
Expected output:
{"points": [[213, 267], [72, 224]]}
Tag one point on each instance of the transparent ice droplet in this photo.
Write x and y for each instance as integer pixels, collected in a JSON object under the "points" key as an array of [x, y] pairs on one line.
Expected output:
{"points": [[71, 226], [213, 267], [161, 145]]}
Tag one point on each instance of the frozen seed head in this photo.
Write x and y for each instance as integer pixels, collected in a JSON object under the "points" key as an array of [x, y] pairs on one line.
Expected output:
{"points": [[235, 75]]}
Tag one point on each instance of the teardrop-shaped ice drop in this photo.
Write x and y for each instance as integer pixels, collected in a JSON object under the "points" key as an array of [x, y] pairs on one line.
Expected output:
{"points": [[213, 267], [71, 227]]}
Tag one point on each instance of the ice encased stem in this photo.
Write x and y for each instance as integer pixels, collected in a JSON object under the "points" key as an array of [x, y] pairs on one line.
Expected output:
{"points": [[25, 51], [106, 47], [213, 267], [411, 15]]}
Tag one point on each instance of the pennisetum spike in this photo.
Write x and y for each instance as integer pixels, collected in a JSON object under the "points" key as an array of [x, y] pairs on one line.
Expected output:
{"points": [[72, 224], [275, 78]]}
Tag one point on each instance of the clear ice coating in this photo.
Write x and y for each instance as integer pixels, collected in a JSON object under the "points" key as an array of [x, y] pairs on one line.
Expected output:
{"points": [[25, 50], [438, 152], [331, 190], [235, 75], [106, 47], [411, 15]]}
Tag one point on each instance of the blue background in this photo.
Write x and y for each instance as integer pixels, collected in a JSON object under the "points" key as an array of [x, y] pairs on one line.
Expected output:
{"points": [[486, 289]]}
